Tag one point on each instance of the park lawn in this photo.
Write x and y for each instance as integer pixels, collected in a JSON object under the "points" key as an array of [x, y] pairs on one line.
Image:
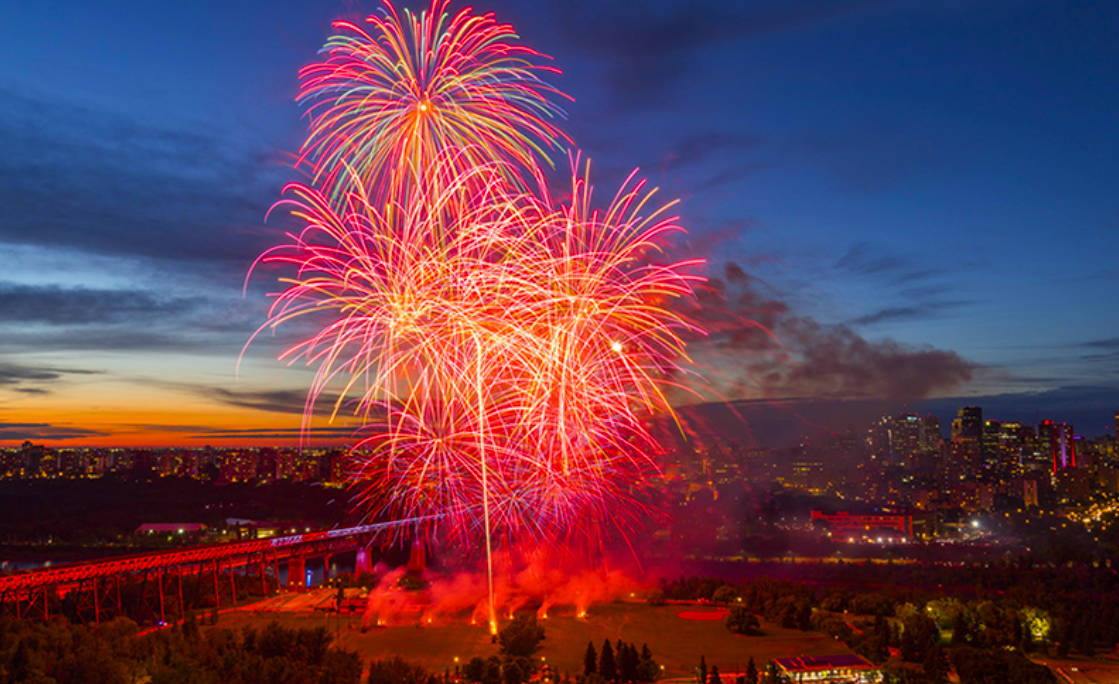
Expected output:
{"points": [[677, 644]]}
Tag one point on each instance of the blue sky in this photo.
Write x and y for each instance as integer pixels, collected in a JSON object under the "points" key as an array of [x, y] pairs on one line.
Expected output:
{"points": [[921, 195]]}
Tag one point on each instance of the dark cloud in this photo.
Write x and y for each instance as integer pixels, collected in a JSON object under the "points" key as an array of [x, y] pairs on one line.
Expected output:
{"points": [[865, 260], [647, 49], [699, 147], [1102, 350], [19, 376], [56, 305], [758, 347], [291, 402], [835, 361], [921, 311], [45, 432], [108, 183], [1109, 343]]}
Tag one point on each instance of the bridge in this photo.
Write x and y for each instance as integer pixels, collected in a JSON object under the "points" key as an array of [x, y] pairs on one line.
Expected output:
{"points": [[156, 587]]}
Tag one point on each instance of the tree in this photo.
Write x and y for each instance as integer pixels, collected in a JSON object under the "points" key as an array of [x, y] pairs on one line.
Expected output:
{"points": [[919, 636], [751, 672], [627, 662], [714, 677], [474, 670], [521, 638], [961, 634], [742, 621], [702, 670], [516, 670], [724, 594], [493, 671], [606, 665], [590, 660], [936, 665]]}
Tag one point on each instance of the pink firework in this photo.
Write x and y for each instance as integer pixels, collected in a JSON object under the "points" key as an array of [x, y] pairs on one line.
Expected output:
{"points": [[392, 97]]}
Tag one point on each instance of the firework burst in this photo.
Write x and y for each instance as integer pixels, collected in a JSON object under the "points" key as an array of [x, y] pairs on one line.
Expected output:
{"points": [[510, 343], [393, 96], [502, 347]]}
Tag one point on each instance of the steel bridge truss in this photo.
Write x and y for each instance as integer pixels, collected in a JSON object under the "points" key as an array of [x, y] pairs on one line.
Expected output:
{"points": [[164, 586]]}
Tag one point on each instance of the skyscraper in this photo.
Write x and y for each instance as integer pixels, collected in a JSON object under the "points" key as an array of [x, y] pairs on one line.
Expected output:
{"points": [[1057, 438], [970, 421], [930, 434]]}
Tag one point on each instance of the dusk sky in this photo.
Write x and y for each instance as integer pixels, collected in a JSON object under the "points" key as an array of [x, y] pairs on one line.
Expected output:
{"points": [[919, 198]]}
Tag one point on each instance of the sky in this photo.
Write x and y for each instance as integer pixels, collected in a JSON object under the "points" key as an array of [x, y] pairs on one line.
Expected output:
{"points": [[916, 198]]}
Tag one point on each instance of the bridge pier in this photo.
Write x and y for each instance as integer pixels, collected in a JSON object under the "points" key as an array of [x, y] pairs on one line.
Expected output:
{"points": [[363, 562], [297, 567]]}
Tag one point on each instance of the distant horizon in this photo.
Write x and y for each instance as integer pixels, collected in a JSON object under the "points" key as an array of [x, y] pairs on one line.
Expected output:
{"points": [[812, 416]]}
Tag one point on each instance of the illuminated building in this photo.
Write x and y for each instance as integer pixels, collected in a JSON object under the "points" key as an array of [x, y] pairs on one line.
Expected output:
{"points": [[845, 522], [930, 434], [836, 668], [905, 439], [1057, 439], [989, 443], [968, 423]]}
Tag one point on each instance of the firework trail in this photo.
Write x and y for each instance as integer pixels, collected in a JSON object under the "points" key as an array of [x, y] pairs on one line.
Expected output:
{"points": [[503, 347], [512, 324], [391, 97]]}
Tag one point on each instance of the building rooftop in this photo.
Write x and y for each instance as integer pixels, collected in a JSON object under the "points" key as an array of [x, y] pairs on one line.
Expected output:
{"points": [[834, 662]]}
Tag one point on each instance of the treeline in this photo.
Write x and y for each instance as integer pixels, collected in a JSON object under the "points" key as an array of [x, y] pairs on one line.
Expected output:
{"points": [[621, 662], [1082, 622], [915, 638], [114, 653]]}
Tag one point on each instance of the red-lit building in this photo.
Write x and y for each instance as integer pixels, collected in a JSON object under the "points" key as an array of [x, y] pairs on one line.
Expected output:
{"points": [[1058, 438], [845, 522]]}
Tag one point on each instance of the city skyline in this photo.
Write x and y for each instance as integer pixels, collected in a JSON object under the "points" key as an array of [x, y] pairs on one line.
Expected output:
{"points": [[913, 197]]}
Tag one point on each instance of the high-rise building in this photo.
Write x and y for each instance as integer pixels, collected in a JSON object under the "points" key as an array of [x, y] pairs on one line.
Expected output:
{"points": [[969, 423], [930, 434], [1056, 439], [905, 439], [1012, 439], [989, 443]]}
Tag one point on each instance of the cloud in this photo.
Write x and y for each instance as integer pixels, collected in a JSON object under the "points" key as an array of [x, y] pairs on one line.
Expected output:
{"points": [[1108, 343], [835, 361], [759, 347], [291, 402], [864, 260], [108, 183], [1102, 350], [648, 52], [20, 432], [699, 147], [922, 311], [18, 377], [286, 401], [79, 306]]}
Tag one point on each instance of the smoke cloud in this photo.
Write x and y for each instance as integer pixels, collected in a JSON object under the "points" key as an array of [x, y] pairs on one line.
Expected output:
{"points": [[540, 585], [759, 348]]}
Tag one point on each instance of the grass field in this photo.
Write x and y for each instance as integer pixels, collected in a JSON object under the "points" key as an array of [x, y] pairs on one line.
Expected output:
{"points": [[676, 643]]}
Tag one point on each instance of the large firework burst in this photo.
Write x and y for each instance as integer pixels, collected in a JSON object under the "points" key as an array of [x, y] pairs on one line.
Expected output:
{"points": [[511, 343], [502, 347]]}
